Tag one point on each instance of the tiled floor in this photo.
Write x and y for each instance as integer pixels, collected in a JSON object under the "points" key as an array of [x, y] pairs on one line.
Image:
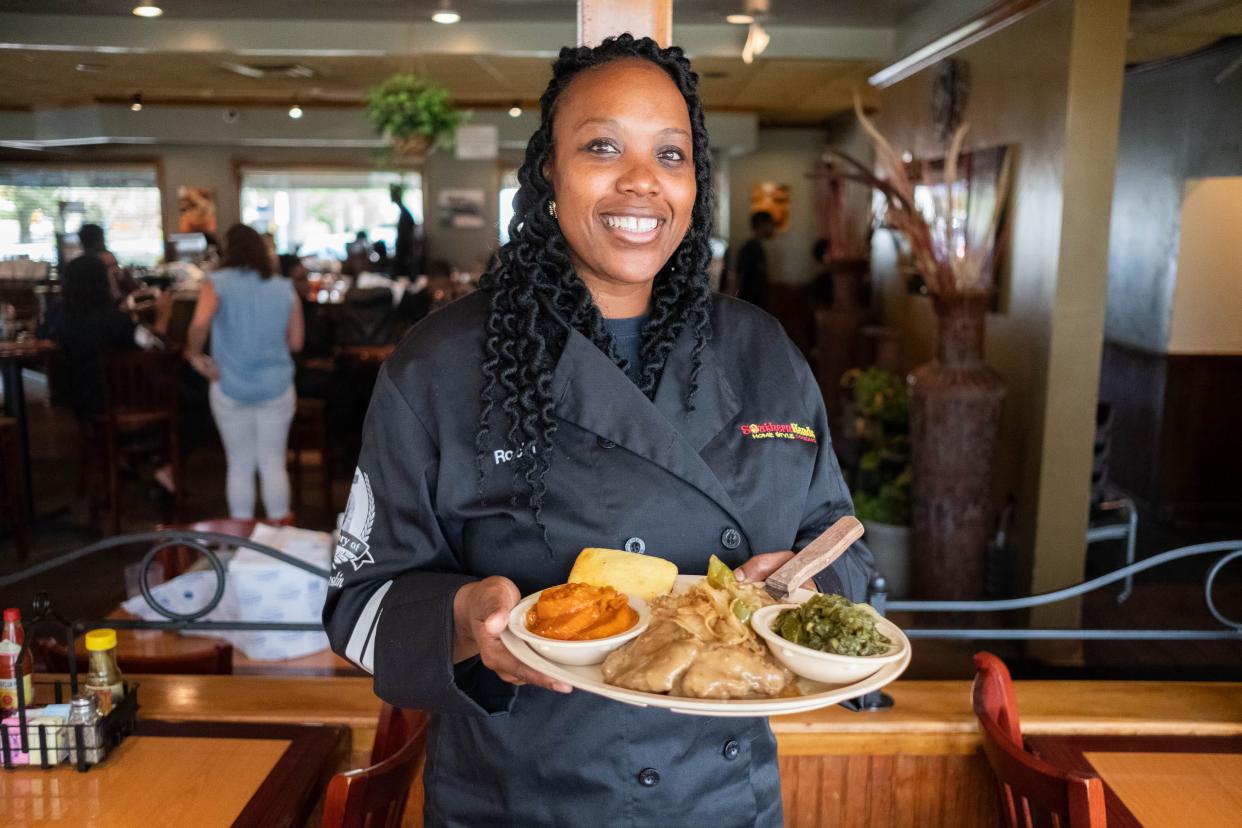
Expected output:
{"points": [[1171, 597]]}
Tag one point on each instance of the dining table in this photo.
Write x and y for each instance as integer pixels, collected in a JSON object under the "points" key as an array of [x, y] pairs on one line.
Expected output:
{"points": [[918, 762], [13, 355], [1157, 781], [200, 773]]}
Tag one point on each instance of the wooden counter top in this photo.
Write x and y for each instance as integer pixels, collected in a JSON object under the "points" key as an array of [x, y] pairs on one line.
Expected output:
{"points": [[929, 716], [936, 717], [915, 763]]}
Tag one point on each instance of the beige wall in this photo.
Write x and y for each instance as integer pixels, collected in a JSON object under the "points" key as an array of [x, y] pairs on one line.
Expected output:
{"points": [[1207, 296], [782, 156], [1049, 87]]}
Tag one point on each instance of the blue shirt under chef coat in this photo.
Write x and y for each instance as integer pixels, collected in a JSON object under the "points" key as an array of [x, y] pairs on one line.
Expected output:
{"points": [[750, 470]]}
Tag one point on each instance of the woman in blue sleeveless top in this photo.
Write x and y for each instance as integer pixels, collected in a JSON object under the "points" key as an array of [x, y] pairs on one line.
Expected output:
{"points": [[255, 323]]}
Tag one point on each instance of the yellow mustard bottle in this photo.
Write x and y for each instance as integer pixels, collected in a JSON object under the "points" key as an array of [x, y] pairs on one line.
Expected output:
{"points": [[103, 681]]}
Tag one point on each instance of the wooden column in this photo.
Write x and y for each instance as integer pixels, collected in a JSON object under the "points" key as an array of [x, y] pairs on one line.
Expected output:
{"points": [[598, 19]]}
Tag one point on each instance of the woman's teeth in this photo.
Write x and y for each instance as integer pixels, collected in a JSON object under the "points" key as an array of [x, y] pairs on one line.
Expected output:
{"points": [[632, 224]]}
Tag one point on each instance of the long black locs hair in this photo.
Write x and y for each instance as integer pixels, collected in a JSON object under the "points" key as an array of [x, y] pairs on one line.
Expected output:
{"points": [[524, 338]]}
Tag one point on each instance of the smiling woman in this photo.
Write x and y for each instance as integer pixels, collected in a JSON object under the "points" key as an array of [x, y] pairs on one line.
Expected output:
{"points": [[622, 175], [582, 399]]}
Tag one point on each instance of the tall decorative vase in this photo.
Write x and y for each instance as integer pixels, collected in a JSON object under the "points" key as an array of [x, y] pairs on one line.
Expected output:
{"points": [[955, 411], [837, 329]]}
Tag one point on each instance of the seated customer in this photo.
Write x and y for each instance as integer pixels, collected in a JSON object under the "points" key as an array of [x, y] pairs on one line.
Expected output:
{"points": [[91, 326]]}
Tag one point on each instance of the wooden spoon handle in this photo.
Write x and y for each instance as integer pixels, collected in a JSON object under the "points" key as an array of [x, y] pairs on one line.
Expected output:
{"points": [[814, 558]]}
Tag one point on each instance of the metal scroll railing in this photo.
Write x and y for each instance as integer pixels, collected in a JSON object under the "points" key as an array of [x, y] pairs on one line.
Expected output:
{"points": [[1231, 628]]}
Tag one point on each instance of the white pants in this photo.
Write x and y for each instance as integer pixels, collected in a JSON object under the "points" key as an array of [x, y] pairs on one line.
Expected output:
{"points": [[255, 439]]}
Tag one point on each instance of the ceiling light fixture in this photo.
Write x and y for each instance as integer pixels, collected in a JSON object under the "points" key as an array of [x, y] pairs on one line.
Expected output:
{"points": [[756, 41], [295, 112], [515, 111], [446, 15], [739, 19], [145, 9], [135, 103]]}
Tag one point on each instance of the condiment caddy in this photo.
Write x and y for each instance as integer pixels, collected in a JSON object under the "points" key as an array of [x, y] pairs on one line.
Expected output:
{"points": [[82, 723]]}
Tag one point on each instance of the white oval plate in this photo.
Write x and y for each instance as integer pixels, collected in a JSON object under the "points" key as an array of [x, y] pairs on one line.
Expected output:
{"points": [[814, 694]]}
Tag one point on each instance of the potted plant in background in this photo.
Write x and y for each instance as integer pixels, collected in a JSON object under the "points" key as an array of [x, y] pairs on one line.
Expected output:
{"points": [[881, 479], [955, 400], [414, 113]]}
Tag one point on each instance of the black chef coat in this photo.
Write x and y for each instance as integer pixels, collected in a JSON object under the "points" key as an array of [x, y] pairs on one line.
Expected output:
{"points": [[750, 470]]}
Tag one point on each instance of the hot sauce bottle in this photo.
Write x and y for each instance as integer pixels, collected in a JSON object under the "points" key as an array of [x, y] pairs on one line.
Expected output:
{"points": [[10, 646]]}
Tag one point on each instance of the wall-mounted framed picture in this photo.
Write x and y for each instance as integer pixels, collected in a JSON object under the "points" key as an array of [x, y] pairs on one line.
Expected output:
{"points": [[196, 209], [771, 197]]}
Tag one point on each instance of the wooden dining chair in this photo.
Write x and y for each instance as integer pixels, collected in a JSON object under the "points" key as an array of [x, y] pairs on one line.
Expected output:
{"points": [[214, 658], [376, 796], [1032, 791], [141, 391], [309, 431]]}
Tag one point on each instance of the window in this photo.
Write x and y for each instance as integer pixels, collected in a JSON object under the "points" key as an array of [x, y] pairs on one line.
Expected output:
{"points": [[43, 206], [318, 212]]}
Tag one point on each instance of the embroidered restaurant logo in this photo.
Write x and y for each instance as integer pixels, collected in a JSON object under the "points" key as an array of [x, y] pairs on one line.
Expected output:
{"points": [[356, 525], [779, 431]]}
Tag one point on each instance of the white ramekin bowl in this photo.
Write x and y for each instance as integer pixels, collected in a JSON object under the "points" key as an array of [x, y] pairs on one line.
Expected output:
{"points": [[575, 653], [828, 668]]}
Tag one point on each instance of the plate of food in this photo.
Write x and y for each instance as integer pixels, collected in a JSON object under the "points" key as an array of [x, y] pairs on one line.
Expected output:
{"points": [[630, 628]]}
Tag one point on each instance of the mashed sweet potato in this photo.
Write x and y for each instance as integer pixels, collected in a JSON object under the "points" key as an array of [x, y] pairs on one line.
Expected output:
{"points": [[580, 612]]}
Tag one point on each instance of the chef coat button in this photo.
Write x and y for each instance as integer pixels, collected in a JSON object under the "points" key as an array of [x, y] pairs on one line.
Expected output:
{"points": [[605, 443], [649, 777], [730, 538], [731, 749], [635, 545]]}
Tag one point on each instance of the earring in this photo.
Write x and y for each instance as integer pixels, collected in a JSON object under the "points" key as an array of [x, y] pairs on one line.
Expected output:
{"points": [[552, 207]]}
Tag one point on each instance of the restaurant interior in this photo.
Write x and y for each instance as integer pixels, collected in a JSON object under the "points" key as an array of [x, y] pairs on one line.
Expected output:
{"points": [[1003, 234]]}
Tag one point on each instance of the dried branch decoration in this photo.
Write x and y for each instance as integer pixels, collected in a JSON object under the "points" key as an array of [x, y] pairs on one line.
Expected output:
{"points": [[949, 265]]}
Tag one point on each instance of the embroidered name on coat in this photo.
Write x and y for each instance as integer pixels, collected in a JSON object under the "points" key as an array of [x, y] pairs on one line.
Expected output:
{"points": [[779, 431]]}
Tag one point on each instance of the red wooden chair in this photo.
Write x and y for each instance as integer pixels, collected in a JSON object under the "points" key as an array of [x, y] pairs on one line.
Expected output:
{"points": [[375, 797], [1032, 792]]}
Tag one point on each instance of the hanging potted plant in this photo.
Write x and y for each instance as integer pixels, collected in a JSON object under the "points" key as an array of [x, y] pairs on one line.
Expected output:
{"points": [[881, 478], [955, 399], [413, 113]]}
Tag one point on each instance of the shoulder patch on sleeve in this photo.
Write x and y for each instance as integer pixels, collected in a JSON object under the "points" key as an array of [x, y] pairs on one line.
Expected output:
{"points": [[353, 543]]}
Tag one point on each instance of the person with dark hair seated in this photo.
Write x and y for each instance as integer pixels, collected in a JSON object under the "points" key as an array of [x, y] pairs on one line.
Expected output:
{"points": [[91, 325], [121, 283]]}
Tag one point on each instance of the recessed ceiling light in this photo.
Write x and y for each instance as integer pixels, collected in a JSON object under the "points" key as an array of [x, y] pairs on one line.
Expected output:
{"points": [[446, 15], [739, 19], [135, 103], [147, 10], [295, 112], [515, 111]]}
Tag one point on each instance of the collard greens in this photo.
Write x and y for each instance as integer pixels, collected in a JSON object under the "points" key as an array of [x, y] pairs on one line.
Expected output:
{"points": [[832, 624]]}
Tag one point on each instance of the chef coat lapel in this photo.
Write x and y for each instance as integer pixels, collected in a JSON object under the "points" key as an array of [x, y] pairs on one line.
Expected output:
{"points": [[592, 392]]}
